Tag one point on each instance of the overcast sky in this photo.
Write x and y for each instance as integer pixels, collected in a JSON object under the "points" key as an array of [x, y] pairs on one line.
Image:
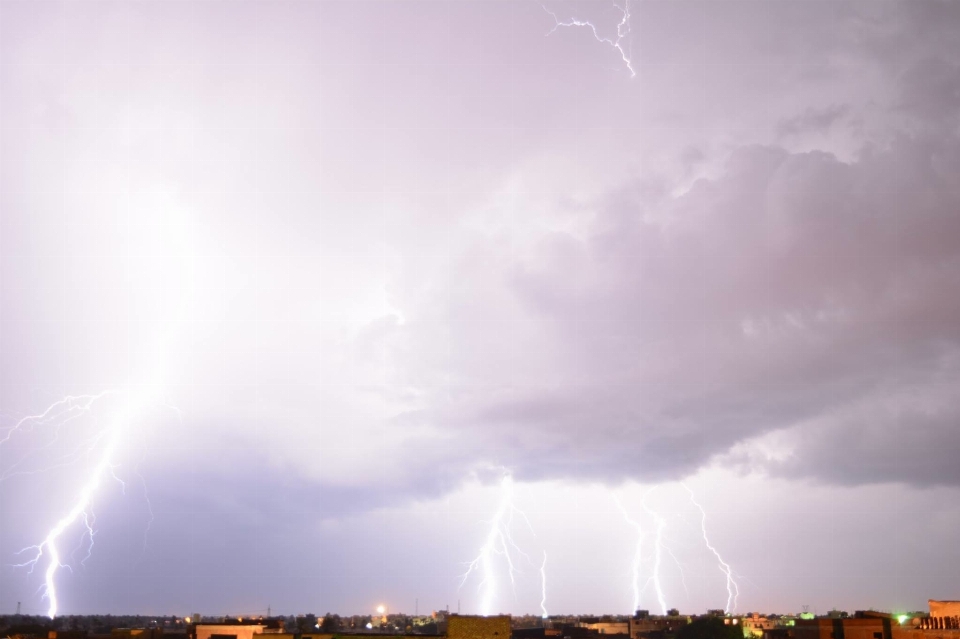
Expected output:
{"points": [[355, 272]]}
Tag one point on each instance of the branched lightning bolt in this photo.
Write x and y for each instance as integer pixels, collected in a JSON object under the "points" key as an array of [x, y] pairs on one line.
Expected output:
{"points": [[60, 412], [623, 32], [104, 446], [89, 519], [499, 541], [80, 507], [543, 586], [638, 553], [733, 589]]}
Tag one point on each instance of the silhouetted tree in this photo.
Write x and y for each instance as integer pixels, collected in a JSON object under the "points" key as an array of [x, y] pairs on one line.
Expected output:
{"points": [[330, 623]]}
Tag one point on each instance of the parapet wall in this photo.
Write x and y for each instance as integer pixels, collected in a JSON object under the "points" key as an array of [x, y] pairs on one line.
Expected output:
{"points": [[944, 608]]}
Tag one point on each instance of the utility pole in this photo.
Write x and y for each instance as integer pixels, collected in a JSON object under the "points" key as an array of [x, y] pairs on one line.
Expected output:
{"points": [[416, 607], [18, 608], [268, 611]]}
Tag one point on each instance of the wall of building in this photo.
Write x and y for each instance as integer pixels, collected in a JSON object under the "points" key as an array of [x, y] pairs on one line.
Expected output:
{"points": [[608, 627], [244, 631], [654, 626], [944, 608], [876, 628], [867, 628], [471, 627], [136, 633]]}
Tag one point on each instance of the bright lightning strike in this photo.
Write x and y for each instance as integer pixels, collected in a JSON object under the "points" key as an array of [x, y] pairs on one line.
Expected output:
{"points": [[104, 447], [623, 32], [660, 524], [50, 542], [499, 542], [733, 589], [543, 586]]}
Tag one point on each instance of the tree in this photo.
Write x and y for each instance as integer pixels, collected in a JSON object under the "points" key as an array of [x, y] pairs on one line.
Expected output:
{"points": [[330, 623], [307, 623]]}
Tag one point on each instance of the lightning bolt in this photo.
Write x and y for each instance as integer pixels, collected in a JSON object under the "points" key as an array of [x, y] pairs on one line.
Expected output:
{"points": [[637, 555], [733, 589], [105, 448], [89, 519], [623, 31], [59, 412], [49, 544], [543, 586], [683, 577], [499, 542], [146, 498], [660, 524]]}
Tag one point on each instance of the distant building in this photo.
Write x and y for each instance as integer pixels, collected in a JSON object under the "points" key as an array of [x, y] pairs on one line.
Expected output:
{"points": [[606, 627], [136, 633], [643, 626], [863, 625], [237, 630], [939, 624], [755, 625]]}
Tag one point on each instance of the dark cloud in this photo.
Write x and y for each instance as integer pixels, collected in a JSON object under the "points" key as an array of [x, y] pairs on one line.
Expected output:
{"points": [[777, 295], [902, 435]]}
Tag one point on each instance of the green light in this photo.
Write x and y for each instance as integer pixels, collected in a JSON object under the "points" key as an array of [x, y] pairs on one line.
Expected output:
{"points": [[902, 618]]}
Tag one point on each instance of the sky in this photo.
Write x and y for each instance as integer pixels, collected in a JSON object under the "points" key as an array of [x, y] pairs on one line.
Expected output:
{"points": [[310, 304]]}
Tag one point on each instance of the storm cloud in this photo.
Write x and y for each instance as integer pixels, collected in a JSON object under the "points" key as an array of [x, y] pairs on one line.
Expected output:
{"points": [[372, 255]]}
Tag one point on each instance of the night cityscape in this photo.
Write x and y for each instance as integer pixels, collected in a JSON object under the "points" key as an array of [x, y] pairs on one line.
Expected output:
{"points": [[938, 622]]}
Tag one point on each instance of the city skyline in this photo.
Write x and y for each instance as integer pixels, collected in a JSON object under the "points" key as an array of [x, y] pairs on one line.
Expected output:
{"points": [[587, 306]]}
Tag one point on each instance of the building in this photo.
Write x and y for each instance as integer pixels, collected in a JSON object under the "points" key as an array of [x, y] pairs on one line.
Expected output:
{"points": [[605, 627], [947, 611], [475, 627], [238, 629], [943, 622], [755, 625], [644, 626], [136, 633], [863, 625]]}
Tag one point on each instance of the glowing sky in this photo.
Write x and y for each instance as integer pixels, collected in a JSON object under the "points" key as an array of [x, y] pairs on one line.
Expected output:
{"points": [[366, 255]]}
